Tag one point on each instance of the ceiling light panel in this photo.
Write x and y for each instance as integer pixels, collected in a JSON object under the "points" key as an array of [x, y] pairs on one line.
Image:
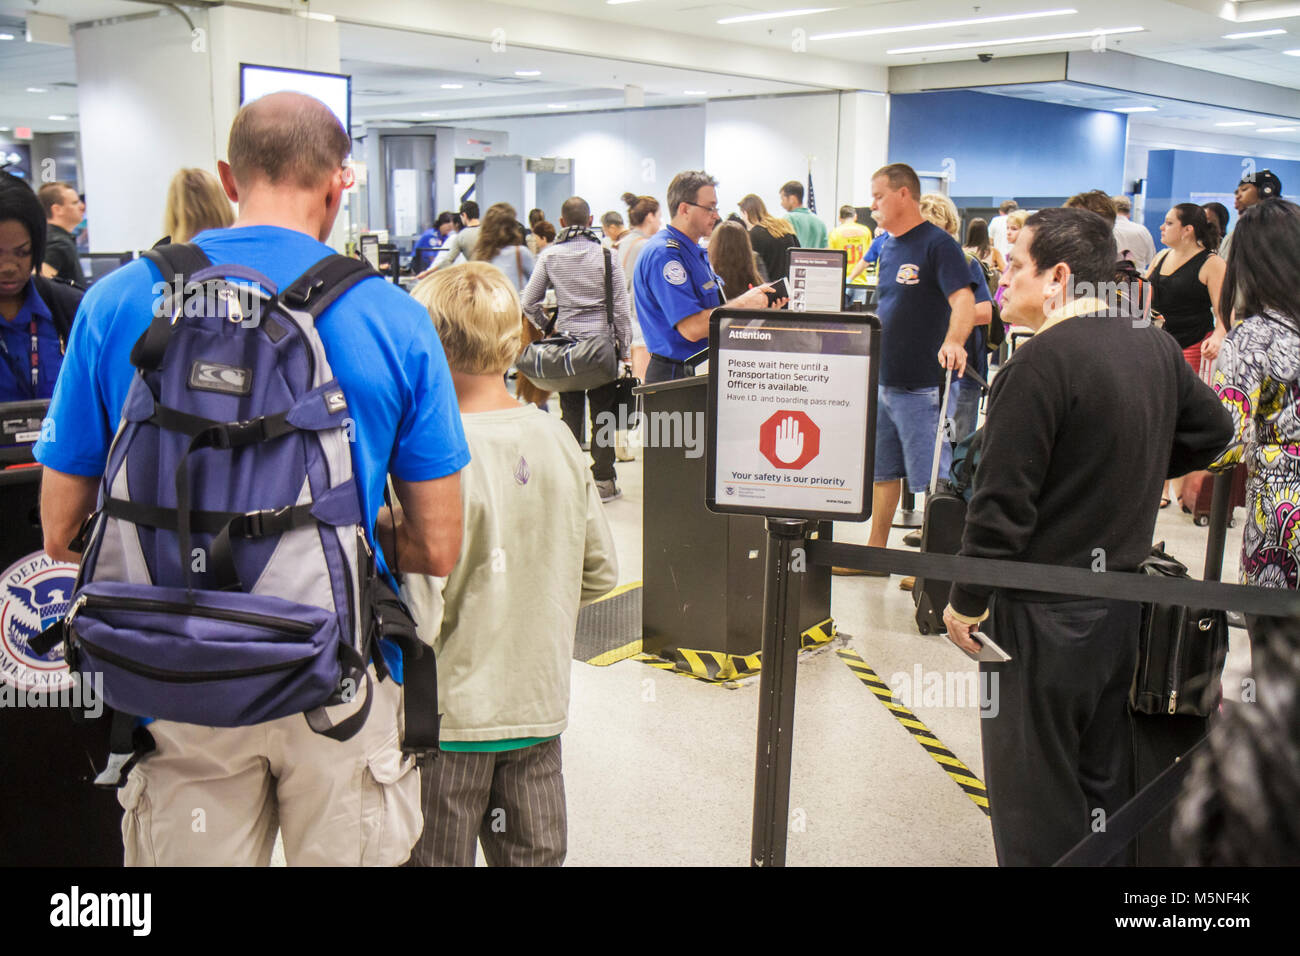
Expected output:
{"points": [[944, 24], [779, 15], [1014, 41]]}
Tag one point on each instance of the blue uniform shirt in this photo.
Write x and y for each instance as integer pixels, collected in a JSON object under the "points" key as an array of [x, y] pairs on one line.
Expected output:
{"points": [[672, 280], [379, 341], [16, 351]]}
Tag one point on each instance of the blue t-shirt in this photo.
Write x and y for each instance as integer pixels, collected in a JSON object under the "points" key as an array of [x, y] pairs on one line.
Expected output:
{"points": [[379, 341], [16, 351], [672, 280], [873, 250], [918, 271], [977, 353]]}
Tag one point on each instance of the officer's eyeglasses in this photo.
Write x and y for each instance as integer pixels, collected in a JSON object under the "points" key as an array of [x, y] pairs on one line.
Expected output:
{"points": [[712, 209]]}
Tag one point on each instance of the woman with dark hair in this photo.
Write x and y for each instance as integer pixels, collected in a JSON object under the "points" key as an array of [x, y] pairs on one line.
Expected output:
{"points": [[544, 234], [37, 312], [1217, 214], [501, 243], [1258, 379], [432, 239], [1185, 279], [643, 217], [1238, 805], [770, 237], [534, 217], [733, 259], [980, 246]]}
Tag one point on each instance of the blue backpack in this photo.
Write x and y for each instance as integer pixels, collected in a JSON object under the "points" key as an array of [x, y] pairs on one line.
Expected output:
{"points": [[226, 578]]}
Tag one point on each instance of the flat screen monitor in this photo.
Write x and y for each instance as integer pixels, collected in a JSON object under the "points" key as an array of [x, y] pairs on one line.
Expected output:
{"points": [[332, 89]]}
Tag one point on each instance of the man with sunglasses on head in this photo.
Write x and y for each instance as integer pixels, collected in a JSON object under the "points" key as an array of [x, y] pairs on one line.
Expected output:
{"points": [[675, 287]]}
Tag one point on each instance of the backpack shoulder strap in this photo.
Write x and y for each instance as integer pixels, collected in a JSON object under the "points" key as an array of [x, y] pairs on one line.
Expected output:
{"points": [[176, 262], [177, 259], [316, 289], [609, 292]]}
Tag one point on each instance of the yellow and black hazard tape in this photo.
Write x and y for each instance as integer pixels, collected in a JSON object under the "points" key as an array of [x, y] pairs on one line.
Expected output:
{"points": [[961, 774], [632, 648], [717, 667]]}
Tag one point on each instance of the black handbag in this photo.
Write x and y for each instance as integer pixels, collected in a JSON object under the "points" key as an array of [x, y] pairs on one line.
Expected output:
{"points": [[1181, 651], [562, 363], [627, 404]]}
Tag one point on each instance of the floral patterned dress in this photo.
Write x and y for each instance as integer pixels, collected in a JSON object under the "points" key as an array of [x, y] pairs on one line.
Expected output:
{"points": [[1258, 380]]}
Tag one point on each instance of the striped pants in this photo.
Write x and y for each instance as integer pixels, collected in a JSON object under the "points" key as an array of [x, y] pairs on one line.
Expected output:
{"points": [[511, 801]]}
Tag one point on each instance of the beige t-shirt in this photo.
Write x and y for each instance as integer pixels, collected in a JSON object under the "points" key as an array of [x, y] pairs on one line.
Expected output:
{"points": [[536, 547]]}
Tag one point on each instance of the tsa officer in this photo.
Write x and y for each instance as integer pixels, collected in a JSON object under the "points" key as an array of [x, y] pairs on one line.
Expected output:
{"points": [[674, 285]]}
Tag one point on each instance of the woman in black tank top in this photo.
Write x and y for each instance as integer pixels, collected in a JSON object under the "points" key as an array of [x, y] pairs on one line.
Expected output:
{"points": [[1185, 281]]}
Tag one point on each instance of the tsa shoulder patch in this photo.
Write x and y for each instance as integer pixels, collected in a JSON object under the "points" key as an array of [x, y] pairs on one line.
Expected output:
{"points": [[675, 272]]}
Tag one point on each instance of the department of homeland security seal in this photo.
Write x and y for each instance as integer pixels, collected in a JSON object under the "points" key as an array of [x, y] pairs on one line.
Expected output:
{"points": [[674, 272], [34, 593]]}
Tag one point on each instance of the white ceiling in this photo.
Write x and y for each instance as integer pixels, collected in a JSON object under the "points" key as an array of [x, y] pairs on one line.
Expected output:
{"points": [[398, 75], [1169, 113]]}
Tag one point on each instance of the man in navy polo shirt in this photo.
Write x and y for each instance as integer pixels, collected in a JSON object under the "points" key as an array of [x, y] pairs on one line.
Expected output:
{"points": [[675, 287], [927, 310]]}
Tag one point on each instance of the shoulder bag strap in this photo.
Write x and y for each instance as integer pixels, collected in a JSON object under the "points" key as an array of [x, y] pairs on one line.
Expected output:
{"points": [[609, 291]]}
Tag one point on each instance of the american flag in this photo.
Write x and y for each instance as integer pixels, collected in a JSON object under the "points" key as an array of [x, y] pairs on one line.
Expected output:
{"points": [[812, 200]]}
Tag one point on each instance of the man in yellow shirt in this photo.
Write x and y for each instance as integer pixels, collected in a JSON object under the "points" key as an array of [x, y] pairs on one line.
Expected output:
{"points": [[853, 239]]}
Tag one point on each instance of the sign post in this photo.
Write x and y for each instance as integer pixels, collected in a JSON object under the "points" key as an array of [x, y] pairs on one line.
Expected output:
{"points": [[791, 437]]}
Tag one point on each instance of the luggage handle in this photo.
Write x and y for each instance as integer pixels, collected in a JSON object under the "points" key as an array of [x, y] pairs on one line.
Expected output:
{"points": [[939, 436]]}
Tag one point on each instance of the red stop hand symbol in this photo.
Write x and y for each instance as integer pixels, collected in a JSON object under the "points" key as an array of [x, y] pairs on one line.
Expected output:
{"points": [[789, 440]]}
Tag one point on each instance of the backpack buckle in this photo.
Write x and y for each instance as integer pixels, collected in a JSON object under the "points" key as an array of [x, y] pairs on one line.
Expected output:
{"points": [[299, 296], [259, 523]]}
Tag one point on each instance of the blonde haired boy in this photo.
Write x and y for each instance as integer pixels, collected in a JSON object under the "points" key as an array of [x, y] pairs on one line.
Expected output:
{"points": [[536, 547]]}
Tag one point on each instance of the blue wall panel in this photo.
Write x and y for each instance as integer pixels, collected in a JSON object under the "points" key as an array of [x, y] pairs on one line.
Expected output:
{"points": [[1007, 148], [1180, 175]]}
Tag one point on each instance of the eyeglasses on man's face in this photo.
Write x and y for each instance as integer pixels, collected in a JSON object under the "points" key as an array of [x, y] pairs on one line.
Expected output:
{"points": [[712, 210]]}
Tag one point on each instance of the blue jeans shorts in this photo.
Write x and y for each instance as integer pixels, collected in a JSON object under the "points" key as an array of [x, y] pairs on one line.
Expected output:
{"points": [[907, 420]]}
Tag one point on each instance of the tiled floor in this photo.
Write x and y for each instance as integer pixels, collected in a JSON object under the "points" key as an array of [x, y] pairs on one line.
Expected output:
{"points": [[659, 768]]}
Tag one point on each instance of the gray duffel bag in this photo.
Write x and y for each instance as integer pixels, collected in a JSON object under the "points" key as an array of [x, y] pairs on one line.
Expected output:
{"points": [[562, 363]]}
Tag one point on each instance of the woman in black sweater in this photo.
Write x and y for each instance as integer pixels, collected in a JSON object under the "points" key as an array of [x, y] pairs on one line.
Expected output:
{"points": [[770, 237]]}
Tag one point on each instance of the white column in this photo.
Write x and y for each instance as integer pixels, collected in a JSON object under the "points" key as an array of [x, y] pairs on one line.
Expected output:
{"points": [[864, 145], [154, 97]]}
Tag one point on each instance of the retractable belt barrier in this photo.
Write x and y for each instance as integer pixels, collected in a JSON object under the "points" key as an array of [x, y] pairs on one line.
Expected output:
{"points": [[1098, 848], [1052, 579]]}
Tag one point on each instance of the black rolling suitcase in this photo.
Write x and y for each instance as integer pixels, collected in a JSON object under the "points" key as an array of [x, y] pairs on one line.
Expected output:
{"points": [[945, 519]]}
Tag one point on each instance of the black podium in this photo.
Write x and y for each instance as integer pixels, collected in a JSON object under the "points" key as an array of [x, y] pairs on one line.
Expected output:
{"points": [[702, 572], [52, 816]]}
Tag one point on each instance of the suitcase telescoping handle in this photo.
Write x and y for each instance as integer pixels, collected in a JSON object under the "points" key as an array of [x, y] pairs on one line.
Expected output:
{"points": [[939, 436]]}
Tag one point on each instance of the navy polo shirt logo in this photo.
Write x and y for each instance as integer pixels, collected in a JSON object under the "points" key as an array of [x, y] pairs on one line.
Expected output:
{"points": [[909, 274]]}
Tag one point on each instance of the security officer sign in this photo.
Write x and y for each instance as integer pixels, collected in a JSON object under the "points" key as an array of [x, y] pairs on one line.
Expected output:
{"points": [[792, 407]]}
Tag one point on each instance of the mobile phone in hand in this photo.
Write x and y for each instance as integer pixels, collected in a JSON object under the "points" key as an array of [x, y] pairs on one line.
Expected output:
{"points": [[779, 290]]}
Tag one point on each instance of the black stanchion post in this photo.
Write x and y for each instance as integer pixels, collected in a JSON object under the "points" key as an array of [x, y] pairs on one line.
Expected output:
{"points": [[776, 694], [1220, 514]]}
